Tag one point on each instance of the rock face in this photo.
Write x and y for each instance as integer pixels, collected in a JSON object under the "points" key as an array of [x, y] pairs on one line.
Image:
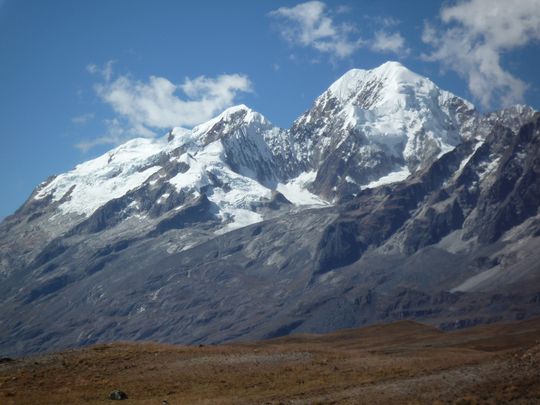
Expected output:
{"points": [[388, 199]]}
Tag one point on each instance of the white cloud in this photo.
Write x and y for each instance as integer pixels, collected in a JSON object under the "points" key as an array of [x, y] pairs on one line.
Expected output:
{"points": [[310, 24], [313, 25], [156, 103], [82, 119], [477, 33], [145, 106], [106, 71], [389, 42]]}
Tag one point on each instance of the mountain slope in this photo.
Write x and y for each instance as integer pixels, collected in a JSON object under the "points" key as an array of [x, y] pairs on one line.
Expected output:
{"points": [[388, 199]]}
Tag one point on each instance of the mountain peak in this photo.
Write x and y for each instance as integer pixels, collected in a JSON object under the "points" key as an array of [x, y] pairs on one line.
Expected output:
{"points": [[235, 116], [391, 76], [394, 64], [396, 70], [236, 112], [235, 108]]}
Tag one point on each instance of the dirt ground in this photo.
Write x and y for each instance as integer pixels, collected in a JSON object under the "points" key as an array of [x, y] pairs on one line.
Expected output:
{"points": [[399, 363]]}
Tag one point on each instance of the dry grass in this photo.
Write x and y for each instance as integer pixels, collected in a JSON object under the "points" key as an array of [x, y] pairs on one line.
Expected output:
{"points": [[398, 363]]}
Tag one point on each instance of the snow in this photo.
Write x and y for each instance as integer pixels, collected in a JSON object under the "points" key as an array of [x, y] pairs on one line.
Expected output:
{"points": [[128, 166], [396, 109], [243, 190], [445, 149], [259, 138], [240, 218], [352, 82], [468, 158], [235, 204], [109, 176], [196, 176], [296, 190], [484, 168], [163, 198], [92, 184], [251, 119], [488, 168], [392, 177]]}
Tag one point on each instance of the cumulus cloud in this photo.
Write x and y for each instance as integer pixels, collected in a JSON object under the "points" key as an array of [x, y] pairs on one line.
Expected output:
{"points": [[311, 24], [475, 35], [142, 107], [389, 42]]}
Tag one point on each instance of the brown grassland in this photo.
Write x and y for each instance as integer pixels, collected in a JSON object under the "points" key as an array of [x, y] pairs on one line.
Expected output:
{"points": [[399, 363]]}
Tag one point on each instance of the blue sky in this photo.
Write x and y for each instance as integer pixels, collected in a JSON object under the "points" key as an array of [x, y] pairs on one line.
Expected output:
{"points": [[78, 77]]}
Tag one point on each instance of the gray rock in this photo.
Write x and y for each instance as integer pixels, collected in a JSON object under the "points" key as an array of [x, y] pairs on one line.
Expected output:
{"points": [[118, 395]]}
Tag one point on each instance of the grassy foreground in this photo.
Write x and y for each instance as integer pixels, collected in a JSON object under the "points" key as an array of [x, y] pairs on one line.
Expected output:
{"points": [[401, 363]]}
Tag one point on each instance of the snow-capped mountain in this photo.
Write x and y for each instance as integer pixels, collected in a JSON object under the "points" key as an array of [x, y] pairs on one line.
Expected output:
{"points": [[238, 160], [370, 127], [388, 199], [384, 123]]}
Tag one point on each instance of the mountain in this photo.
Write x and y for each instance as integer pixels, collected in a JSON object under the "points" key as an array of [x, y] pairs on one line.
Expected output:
{"points": [[388, 199], [382, 123]]}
